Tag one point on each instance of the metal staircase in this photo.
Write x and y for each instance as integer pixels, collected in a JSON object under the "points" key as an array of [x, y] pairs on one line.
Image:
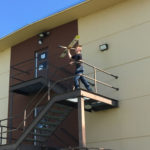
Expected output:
{"points": [[49, 118], [36, 131], [48, 124]]}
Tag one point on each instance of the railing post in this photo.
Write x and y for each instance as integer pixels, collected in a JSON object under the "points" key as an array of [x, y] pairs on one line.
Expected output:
{"points": [[25, 116], [1, 134], [49, 92], [81, 123], [95, 83]]}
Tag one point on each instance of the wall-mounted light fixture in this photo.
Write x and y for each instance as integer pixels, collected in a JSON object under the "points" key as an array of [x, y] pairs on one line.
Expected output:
{"points": [[103, 47], [40, 41], [41, 36]]}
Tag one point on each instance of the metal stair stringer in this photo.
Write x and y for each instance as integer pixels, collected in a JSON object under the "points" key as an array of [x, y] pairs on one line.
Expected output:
{"points": [[49, 124], [53, 100]]}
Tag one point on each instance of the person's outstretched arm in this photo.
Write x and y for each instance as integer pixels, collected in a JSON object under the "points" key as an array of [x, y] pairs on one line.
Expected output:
{"points": [[69, 54], [70, 57]]}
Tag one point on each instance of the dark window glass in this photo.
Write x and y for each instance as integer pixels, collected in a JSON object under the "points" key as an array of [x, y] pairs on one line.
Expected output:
{"points": [[42, 56], [42, 66]]}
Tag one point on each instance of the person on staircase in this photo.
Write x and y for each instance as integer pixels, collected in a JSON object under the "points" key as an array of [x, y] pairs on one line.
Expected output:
{"points": [[77, 59]]}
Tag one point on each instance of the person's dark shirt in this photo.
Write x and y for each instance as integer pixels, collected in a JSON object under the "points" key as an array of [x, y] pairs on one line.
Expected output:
{"points": [[76, 58]]}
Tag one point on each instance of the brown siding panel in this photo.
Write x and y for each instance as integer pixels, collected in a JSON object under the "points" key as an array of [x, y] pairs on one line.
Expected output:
{"points": [[26, 50]]}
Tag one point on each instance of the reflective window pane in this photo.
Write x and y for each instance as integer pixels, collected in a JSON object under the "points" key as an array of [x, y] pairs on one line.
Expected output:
{"points": [[42, 66], [42, 56]]}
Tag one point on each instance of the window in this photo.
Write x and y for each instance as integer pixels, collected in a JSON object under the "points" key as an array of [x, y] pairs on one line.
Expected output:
{"points": [[42, 56], [41, 62], [42, 66]]}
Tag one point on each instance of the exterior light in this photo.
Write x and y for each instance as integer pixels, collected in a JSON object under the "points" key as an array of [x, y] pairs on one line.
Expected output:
{"points": [[88, 107], [103, 47], [40, 41], [41, 36]]}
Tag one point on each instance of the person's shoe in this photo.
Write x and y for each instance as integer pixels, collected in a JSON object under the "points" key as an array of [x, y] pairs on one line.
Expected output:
{"points": [[90, 90], [77, 88]]}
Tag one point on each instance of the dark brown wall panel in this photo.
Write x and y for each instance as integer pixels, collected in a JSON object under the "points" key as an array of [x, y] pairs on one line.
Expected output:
{"points": [[58, 68], [67, 133]]}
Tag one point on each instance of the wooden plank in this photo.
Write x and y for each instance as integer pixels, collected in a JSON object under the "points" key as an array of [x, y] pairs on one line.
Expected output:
{"points": [[81, 122], [96, 97]]}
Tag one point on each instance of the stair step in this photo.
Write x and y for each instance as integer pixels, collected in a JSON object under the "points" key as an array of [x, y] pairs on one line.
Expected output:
{"points": [[50, 123], [39, 134], [34, 140], [63, 106], [58, 111], [44, 129], [29, 147], [54, 117]]}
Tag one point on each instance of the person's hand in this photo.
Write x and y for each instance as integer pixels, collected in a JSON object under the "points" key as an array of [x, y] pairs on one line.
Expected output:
{"points": [[71, 62], [69, 47]]}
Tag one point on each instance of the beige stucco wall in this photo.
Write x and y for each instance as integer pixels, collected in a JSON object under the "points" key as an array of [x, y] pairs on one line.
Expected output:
{"points": [[126, 28], [4, 84]]}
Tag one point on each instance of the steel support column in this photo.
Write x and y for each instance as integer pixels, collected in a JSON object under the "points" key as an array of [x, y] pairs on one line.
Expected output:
{"points": [[81, 122]]}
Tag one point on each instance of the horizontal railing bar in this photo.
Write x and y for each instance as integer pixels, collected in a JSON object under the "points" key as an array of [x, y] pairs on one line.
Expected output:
{"points": [[18, 79], [17, 74], [8, 138], [11, 128], [101, 82], [22, 71], [116, 77], [81, 148], [23, 62], [16, 116], [4, 126]]}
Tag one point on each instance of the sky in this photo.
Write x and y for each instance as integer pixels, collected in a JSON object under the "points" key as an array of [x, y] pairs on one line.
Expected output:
{"points": [[15, 14]]}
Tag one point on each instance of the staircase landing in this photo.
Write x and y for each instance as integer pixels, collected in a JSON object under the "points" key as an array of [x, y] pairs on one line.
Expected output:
{"points": [[30, 86], [96, 101]]}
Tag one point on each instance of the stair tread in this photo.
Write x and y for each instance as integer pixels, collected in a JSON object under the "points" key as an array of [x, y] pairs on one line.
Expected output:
{"points": [[34, 140], [44, 129], [50, 123], [54, 110], [54, 117], [63, 106], [39, 134]]}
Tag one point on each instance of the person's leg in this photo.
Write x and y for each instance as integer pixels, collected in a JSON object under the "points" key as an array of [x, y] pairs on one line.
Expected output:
{"points": [[85, 82], [76, 81], [78, 71]]}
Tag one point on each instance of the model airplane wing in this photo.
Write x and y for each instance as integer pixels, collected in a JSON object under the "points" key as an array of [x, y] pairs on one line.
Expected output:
{"points": [[73, 42]]}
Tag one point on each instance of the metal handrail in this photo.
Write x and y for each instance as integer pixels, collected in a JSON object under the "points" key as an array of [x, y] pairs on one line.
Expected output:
{"points": [[116, 77], [23, 62], [21, 73], [102, 83], [84, 148]]}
